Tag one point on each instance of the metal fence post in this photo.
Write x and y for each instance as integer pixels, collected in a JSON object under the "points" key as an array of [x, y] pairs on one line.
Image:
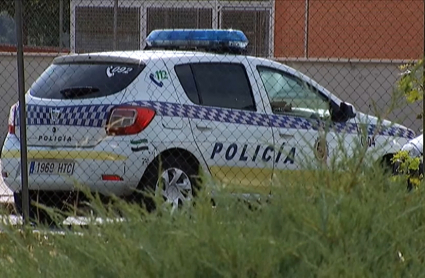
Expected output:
{"points": [[60, 23], [22, 110], [115, 23]]}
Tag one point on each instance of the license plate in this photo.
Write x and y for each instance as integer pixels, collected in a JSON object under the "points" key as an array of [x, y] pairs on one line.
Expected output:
{"points": [[51, 167]]}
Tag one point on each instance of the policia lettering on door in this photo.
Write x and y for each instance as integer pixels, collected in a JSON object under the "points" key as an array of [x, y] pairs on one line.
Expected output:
{"points": [[244, 153]]}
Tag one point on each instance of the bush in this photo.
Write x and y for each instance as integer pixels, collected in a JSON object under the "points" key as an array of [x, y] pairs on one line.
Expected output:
{"points": [[321, 226], [411, 85]]}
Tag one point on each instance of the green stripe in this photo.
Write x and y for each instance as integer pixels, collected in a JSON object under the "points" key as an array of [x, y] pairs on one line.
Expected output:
{"points": [[139, 141]]}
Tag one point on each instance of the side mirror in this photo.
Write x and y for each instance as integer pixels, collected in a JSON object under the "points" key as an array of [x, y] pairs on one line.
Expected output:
{"points": [[348, 110], [343, 113]]}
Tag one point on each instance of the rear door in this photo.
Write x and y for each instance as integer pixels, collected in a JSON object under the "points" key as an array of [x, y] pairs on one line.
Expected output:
{"points": [[228, 121], [68, 105]]}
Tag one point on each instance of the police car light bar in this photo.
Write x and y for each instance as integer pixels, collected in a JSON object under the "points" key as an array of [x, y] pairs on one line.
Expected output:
{"points": [[215, 40]]}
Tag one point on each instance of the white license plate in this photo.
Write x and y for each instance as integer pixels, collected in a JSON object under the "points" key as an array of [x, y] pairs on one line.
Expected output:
{"points": [[51, 167]]}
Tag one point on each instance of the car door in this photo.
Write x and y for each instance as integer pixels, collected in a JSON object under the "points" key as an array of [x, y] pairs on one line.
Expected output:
{"points": [[303, 129], [228, 122]]}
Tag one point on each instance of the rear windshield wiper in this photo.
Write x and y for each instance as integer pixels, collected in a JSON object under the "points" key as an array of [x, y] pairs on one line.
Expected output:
{"points": [[78, 92]]}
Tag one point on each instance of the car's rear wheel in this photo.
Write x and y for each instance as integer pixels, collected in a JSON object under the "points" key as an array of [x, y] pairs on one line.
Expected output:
{"points": [[173, 178]]}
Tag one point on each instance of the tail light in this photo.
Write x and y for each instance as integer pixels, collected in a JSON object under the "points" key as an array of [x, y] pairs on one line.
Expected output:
{"points": [[11, 121], [129, 120], [112, 178]]}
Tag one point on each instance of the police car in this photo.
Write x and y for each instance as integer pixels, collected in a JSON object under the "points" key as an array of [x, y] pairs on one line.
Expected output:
{"points": [[191, 102]]}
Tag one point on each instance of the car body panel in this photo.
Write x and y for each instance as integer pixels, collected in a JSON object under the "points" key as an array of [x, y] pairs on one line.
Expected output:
{"points": [[235, 147]]}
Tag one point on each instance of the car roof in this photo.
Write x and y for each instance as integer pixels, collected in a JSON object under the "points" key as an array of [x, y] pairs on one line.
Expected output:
{"points": [[134, 56]]}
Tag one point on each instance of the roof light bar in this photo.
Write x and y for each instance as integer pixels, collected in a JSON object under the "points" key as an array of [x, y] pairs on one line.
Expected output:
{"points": [[216, 40]]}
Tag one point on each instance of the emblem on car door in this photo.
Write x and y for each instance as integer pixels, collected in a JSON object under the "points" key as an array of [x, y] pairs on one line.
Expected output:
{"points": [[55, 115], [321, 149]]}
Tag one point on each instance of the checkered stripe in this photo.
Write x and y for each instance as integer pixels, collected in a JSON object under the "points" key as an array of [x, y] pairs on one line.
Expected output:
{"points": [[96, 116], [206, 113], [292, 122], [82, 115], [345, 128], [390, 131]]}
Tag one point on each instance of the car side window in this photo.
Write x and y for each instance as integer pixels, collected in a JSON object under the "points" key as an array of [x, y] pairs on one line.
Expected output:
{"points": [[223, 85], [290, 95]]}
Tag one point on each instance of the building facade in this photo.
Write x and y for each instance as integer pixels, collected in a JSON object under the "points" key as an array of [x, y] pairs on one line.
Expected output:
{"points": [[347, 29]]}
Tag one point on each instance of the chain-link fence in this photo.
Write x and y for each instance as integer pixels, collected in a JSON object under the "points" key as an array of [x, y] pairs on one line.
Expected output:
{"points": [[120, 121]]}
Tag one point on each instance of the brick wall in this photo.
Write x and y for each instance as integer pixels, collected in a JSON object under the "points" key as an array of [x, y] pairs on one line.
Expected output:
{"points": [[364, 29]]}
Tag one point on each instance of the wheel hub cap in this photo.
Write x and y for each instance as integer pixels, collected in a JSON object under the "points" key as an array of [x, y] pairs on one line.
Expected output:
{"points": [[175, 186]]}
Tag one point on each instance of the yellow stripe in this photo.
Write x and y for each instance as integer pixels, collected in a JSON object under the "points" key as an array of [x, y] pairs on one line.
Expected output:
{"points": [[61, 154], [242, 179], [259, 180]]}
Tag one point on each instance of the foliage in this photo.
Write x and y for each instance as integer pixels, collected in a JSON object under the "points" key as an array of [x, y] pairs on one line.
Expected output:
{"points": [[411, 84], [412, 81], [40, 20], [7, 29], [408, 168], [305, 230]]}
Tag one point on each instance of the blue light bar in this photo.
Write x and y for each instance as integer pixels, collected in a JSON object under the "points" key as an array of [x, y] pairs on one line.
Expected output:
{"points": [[217, 40]]}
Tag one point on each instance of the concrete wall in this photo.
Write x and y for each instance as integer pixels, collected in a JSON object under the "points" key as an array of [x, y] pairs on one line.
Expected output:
{"points": [[367, 85], [34, 65]]}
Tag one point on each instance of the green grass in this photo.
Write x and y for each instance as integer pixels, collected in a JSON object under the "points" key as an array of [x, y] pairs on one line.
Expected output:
{"points": [[331, 227]]}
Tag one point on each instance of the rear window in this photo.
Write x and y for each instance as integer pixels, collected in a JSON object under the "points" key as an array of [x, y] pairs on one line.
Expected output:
{"points": [[84, 80]]}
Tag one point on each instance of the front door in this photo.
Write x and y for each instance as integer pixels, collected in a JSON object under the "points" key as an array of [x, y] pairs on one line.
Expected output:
{"points": [[301, 124]]}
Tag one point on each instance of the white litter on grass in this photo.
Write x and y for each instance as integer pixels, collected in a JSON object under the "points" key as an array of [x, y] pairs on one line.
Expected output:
{"points": [[86, 221], [14, 220], [11, 220]]}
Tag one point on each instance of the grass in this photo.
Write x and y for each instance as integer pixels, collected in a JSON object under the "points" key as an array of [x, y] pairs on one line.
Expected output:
{"points": [[325, 228], [356, 222]]}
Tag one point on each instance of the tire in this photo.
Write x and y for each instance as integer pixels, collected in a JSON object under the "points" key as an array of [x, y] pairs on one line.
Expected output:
{"points": [[172, 166], [388, 166]]}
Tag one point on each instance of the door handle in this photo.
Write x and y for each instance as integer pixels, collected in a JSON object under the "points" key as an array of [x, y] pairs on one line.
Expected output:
{"points": [[203, 127], [286, 135]]}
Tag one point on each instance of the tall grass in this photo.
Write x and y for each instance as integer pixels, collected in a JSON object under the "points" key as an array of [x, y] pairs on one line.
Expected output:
{"points": [[346, 219], [322, 228]]}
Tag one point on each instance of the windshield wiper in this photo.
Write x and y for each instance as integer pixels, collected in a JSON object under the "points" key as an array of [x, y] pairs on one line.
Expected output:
{"points": [[78, 92]]}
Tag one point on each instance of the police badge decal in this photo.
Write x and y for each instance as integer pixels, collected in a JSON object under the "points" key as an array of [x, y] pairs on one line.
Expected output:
{"points": [[321, 150]]}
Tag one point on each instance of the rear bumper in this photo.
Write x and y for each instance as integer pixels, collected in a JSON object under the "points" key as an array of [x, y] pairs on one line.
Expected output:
{"points": [[110, 157]]}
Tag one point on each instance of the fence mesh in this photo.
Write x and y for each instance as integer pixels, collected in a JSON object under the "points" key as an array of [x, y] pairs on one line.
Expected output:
{"points": [[131, 119]]}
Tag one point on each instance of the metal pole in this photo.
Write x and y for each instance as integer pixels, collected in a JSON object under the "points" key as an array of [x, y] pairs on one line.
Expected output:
{"points": [[115, 23], [306, 22], [423, 86], [60, 23], [22, 110]]}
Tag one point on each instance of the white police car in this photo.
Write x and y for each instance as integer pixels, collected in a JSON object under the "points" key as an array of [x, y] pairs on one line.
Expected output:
{"points": [[106, 120]]}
